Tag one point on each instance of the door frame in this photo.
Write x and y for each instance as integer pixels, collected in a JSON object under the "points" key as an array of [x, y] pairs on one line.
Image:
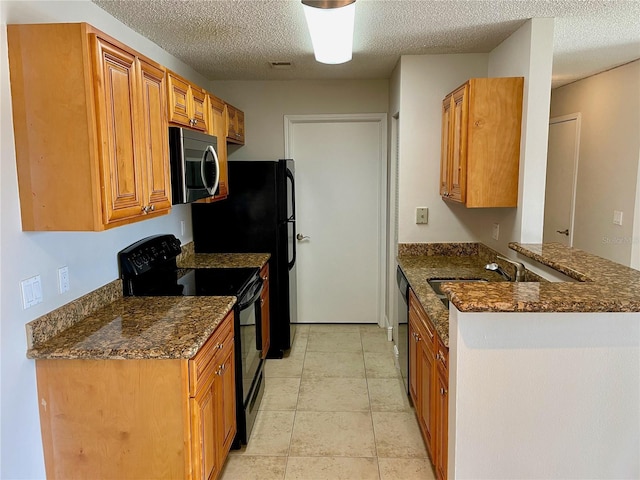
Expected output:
{"points": [[381, 120], [577, 117]]}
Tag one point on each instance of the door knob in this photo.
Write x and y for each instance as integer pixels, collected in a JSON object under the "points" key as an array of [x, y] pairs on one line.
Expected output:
{"points": [[301, 237], [563, 232]]}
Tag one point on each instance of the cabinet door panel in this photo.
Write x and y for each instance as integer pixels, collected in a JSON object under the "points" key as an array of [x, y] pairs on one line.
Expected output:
{"points": [[413, 361], [227, 404], [426, 384], [178, 101], [199, 112], [459, 144], [203, 430], [442, 418], [218, 127], [120, 161], [445, 150], [154, 126]]}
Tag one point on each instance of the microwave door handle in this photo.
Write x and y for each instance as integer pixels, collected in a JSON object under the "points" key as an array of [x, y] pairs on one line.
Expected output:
{"points": [[212, 151]]}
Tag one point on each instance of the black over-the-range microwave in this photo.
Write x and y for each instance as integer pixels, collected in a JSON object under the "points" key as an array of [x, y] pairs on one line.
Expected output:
{"points": [[195, 170]]}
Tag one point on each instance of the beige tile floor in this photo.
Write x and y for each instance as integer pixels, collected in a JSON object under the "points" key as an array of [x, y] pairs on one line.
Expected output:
{"points": [[333, 409]]}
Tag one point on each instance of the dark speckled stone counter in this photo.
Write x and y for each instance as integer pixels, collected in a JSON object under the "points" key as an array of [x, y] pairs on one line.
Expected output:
{"points": [[224, 260], [603, 286], [139, 328], [420, 268], [190, 259]]}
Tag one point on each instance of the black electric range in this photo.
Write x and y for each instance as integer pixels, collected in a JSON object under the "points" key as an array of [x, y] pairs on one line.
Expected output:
{"points": [[148, 268]]}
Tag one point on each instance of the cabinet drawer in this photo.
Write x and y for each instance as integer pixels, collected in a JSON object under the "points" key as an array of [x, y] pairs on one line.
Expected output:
{"points": [[425, 323], [202, 365]]}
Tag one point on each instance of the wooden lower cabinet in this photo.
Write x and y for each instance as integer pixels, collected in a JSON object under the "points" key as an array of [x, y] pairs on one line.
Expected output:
{"points": [[442, 412], [133, 419], [428, 384]]}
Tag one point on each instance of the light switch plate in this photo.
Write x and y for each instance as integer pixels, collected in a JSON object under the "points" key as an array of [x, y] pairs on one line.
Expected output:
{"points": [[617, 217], [495, 233], [63, 279], [422, 215], [31, 291]]}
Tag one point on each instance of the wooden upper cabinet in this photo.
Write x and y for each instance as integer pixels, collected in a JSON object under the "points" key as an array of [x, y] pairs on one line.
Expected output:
{"points": [[187, 103], [155, 147], [235, 125], [218, 128], [90, 152], [481, 124]]}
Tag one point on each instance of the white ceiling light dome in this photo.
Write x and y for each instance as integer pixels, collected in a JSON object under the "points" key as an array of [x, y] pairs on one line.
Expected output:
{"points": [[330, 24]]}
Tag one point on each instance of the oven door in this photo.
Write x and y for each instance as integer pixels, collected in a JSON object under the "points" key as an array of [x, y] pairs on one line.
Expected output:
{"points": [[249, 358]]}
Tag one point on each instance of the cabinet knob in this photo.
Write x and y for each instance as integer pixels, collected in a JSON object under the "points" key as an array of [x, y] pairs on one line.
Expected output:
{"points": [[261, 301], [443, 391], [145, 209]]}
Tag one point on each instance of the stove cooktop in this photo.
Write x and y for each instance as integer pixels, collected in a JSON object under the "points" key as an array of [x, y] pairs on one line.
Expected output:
{"points": [[194, 281]]}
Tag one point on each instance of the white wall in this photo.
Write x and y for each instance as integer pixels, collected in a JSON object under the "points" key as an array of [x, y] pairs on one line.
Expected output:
{"points": [[609, 104], [425, 80], [544, 395], [91, 257], [265, 103]]}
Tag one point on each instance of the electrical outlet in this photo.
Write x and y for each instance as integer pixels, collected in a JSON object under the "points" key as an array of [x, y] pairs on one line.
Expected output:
{"points": [[495, 234], [422, 215], [63, 279], [31, 291], [617, 217]]}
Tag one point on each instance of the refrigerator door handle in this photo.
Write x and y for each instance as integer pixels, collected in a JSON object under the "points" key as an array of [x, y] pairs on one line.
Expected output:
{"points": [[292, 219]]}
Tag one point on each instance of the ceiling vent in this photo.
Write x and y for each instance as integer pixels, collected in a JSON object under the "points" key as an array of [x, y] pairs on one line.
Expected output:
{"points": [[281, 65]]}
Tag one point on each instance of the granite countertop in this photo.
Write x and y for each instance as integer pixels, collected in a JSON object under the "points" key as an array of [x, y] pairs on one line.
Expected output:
{"points": [[420, 268], [223, 260], [603, 285], [137, 328]]}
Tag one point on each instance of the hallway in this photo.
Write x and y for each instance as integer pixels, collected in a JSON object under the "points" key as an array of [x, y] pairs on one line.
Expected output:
{"points": [[334, 409]]}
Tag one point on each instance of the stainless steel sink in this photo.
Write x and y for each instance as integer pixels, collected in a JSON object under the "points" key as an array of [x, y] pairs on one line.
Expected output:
{"points": [[436, 283]]}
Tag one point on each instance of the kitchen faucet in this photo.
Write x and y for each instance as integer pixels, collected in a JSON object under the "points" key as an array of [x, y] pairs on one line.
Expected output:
{"points": [[494, 267], [520, 269]]}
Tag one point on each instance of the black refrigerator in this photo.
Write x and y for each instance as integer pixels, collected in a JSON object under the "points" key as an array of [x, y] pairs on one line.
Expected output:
{"points": [[258, 217]]}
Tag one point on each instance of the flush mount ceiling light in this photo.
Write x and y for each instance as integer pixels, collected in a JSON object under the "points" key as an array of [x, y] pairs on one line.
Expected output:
{"points": [[330, 24]]}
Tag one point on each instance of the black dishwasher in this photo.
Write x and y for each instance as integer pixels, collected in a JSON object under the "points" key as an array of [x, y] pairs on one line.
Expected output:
{"points": [[402, 337]]}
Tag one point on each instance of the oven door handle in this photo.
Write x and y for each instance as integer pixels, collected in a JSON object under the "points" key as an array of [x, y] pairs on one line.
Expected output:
{"points": [[255, 295]]}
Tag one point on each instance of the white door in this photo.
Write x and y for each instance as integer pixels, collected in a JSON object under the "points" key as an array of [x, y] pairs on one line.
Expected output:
{"points": [[340, 172], [562, 173]]}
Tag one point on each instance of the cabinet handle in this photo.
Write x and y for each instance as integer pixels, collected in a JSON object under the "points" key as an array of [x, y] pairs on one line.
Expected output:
{"points": [[429, 333], [261, 301], [443, 391]]}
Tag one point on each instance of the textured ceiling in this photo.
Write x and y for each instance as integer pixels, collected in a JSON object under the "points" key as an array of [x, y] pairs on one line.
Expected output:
{"points": [[236, 39]]}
